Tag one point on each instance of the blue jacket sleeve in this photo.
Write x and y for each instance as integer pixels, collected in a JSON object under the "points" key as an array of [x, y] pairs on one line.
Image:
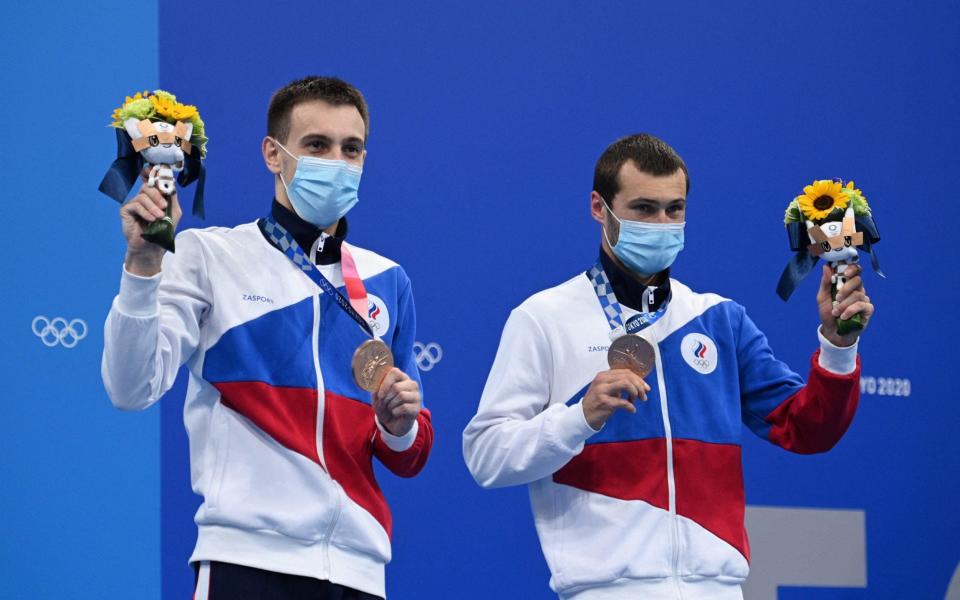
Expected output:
{"points": [[410, 461], [779, 407]]}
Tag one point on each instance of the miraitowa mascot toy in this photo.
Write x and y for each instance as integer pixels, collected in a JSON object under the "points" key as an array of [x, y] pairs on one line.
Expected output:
{"points": [[155, 130], [829, 221]]}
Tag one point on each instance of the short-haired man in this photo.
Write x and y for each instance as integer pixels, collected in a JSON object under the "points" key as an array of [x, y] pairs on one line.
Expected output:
{"points": [[267, 316], [646, 500]]}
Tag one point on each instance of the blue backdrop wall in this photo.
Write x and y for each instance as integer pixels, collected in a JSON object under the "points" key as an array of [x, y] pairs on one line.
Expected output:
{"points": [[79, 481], [487, 119]]}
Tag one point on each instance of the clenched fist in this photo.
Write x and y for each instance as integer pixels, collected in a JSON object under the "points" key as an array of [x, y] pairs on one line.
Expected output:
{"points": [[397, 402], [143, 258]]}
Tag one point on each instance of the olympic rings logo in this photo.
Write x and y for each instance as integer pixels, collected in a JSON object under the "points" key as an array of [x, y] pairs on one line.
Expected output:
{"points": [[427, 355], [59, 331]]}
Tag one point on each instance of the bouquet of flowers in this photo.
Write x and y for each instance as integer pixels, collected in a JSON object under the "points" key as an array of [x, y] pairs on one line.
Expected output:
{"points": [[157, 131], [831, 221]]}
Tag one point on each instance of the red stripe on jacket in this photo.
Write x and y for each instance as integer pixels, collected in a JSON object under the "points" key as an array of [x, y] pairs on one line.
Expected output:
{"points": [[816, 417]]}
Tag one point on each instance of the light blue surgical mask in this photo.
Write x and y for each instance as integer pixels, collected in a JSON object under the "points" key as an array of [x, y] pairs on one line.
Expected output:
{"points": [[646, 248], [322, 190]]}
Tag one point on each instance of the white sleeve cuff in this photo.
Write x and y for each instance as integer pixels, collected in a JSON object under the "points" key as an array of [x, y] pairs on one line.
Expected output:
{"points": [[138, 295], [835, 359], [572, 429], [398, 443]]}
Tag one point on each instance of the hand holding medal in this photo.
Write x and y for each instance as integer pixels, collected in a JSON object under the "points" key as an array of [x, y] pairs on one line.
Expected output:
{"points": [[630, 357], [396, 397]]}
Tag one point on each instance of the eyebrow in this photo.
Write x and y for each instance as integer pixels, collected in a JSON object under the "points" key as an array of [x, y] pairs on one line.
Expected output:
{"points": [[642, 200], [309, 137]]}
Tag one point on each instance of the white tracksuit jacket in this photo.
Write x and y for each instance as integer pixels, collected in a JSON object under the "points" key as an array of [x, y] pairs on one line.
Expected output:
{"points": [[281, 438], [652, 505]]}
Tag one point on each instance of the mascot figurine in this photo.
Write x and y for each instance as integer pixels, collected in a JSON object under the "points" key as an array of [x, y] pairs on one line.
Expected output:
{"points": [[829, 221], [156, 131]]}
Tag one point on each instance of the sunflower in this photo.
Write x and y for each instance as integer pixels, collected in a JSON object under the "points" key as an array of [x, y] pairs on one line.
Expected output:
{"points": [[821, 198], [137, 106], [167, 106], [162, 105]]}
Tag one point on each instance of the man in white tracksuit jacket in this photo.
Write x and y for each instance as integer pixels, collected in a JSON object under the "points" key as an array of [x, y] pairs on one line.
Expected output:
{"points": [[645, 499], [281, 435]]}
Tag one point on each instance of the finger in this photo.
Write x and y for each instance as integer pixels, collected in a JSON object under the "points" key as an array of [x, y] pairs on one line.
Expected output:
{"points": [[408, 397], [154, 195], [150, 205], [824, 291], [852, 270], [863, 308], [142, 212], [405, 410], [625, 386], [636, 381], [852, 285], [393, 375], [177, 213], [642, 385], [616, 389], [151, 196], [840, 307], [627, 406], [404, 385]]}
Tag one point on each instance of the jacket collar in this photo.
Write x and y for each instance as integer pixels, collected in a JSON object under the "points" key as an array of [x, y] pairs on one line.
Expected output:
{"points": [[631, 292], [307, 233]]}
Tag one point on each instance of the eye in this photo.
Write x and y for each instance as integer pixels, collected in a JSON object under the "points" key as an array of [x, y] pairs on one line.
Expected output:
{"points": [[847, 241], [154, 140], [352, 150], [317, 146], [825, 246], [177, 141]]}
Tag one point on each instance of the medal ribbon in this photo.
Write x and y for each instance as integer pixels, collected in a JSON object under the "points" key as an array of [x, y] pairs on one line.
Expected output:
{"points": [[611, 306], [355, 290], [356, 305]]}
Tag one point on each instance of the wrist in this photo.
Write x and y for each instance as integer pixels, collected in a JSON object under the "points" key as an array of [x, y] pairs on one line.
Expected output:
{"points": [[144, 263], [836, 339], [397, 443], [398, 427], [837, 358], [594, 421]]}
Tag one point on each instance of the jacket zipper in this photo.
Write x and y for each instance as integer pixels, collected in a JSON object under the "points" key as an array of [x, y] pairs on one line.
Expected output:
{"points": [[315, 339], [671, 482], [321, 407]]}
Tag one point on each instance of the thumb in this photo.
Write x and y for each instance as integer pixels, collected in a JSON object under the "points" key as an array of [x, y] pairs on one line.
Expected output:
{"points": [[824, 291]]}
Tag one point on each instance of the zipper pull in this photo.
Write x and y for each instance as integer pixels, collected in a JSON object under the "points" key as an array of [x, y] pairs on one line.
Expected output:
{"points": [[648, 298]]}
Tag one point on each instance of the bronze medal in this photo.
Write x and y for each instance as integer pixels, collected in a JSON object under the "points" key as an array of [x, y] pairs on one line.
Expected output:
{"points": [[371, 363], [633, 353]]}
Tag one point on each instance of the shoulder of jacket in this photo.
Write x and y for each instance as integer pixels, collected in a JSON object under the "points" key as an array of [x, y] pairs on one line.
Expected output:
{"points": [[218, 236], [704, 300], [369, 263], [559, 298]]}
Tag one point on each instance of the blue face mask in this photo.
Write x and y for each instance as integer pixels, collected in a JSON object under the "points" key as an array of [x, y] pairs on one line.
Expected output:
{"points": [[322, 190], [646, 248]]}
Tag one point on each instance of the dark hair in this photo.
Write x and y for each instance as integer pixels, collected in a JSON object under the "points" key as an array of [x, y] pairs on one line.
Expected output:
{"points": [[331, 90], [650, 154]]}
